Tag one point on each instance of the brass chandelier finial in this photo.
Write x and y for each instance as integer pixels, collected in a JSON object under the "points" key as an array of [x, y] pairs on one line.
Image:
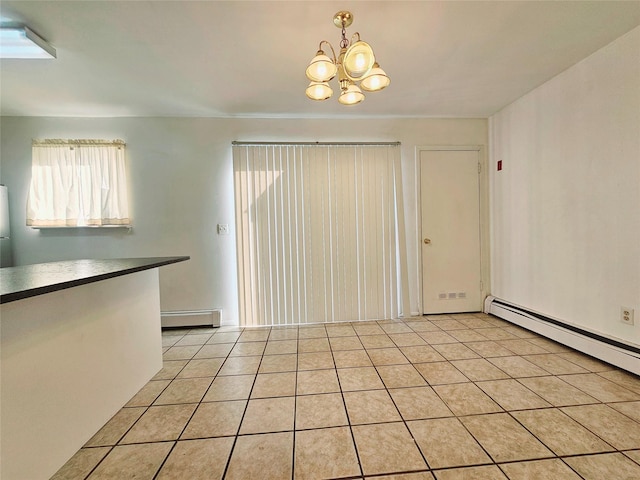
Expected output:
{"points": [[355, 63]]}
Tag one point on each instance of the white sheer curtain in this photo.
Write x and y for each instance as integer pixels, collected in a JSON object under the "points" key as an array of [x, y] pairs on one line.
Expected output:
{"points": [[320, 233], [79, 183]]}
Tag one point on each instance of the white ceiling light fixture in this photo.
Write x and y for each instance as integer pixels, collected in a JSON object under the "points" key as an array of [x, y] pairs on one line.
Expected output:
{"points": [[356, 63], [22, 42]]}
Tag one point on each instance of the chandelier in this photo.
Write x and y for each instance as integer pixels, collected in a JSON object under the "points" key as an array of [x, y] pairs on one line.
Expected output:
{"points": [[356, 67]]}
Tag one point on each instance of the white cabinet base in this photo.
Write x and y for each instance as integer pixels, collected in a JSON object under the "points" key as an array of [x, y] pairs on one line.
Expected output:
{"points": [[70, 360]]}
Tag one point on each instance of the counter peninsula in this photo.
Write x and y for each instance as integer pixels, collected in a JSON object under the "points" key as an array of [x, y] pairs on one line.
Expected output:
{"points": [[78, 339]]}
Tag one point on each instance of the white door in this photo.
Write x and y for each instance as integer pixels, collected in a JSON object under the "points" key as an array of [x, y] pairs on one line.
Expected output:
{"points": [[451, 272]]}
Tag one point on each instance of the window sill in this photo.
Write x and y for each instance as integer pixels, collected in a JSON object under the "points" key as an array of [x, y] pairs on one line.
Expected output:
{"points": [[36, 227]]}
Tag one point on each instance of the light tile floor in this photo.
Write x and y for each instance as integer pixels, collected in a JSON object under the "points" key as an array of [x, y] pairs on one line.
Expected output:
{"points": [[445, 397]]}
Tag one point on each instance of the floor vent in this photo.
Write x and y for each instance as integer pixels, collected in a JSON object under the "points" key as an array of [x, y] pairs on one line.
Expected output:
{"points": [[610, 350]]}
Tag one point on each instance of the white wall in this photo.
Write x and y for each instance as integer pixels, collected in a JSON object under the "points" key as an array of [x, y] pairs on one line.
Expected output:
{"points": [[181, 187], [565, 208]]}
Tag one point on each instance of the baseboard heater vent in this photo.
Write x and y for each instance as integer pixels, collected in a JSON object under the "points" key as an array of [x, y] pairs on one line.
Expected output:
{"points": [[190, 318], [615, 352]]}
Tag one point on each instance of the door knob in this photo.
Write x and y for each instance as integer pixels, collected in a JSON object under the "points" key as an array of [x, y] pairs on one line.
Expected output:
{"points": [[427, 241]]}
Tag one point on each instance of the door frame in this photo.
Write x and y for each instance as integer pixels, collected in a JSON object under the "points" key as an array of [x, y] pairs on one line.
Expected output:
{"points": [[483, 186]]}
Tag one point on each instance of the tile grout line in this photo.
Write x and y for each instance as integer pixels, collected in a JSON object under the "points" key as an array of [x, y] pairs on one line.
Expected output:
{"points": [[404, 421], [456, 416], [295, 407], [175, 443], [346, 412], [246, 407]]}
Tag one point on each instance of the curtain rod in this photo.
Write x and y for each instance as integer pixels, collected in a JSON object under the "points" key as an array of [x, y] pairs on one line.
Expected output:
{"points": [[287, 144], [58, 141]]}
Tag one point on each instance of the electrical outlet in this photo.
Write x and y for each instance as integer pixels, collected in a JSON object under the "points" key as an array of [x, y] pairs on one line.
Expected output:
{"points": [[626, 315], [223, 229]]}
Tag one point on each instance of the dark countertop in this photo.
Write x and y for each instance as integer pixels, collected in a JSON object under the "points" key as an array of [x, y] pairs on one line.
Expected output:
{"points": [[17, 283]]}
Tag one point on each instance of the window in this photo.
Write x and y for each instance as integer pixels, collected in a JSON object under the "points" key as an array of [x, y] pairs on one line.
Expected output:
{"points": [[76, 183], [320, 233]]}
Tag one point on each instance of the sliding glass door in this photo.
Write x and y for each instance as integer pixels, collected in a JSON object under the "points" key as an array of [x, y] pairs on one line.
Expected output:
{"points": [[319, 235]]}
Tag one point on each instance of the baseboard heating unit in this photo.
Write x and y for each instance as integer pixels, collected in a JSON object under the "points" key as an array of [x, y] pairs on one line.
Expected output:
{"points": [[190, 318], [607, 349]]}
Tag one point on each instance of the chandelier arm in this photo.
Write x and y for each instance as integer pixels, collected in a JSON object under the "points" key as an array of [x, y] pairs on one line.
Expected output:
{"points": [[331, 47], [352, 36]]}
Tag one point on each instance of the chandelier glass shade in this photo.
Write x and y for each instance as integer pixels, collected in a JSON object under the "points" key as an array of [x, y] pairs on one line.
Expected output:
{"points": [[358, 61], [355, 63], [319, 91], [321, 68], [351, 96], [376, 80]]}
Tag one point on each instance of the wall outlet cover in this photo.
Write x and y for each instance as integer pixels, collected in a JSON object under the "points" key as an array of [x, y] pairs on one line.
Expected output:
{"points": [[626, 315]]}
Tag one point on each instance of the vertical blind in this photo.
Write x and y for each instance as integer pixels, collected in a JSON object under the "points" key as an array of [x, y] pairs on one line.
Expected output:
{"points": [[320, 233], [77, 183]]}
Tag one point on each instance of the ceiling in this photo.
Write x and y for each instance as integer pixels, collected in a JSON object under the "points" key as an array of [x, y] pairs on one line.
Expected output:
{"points": [[247, 58]]}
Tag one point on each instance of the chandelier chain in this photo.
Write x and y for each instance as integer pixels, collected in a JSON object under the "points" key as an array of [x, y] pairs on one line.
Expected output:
{"points": [[344, 43]]}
